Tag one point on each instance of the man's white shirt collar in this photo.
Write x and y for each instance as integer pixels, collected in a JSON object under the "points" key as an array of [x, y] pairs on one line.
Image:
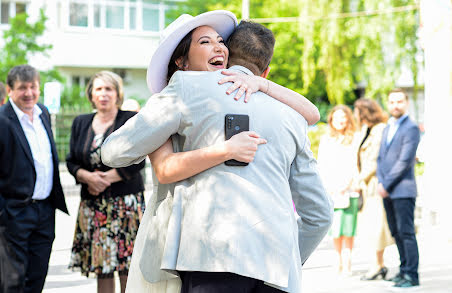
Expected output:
{"points": [[21, 114]]}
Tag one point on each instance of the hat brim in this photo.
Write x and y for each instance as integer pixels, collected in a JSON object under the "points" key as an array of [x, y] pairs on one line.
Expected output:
{"points": [[221, 21]]}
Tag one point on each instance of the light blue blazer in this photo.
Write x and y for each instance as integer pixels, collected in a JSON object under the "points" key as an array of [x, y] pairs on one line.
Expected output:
{"points": [[226, 219]]}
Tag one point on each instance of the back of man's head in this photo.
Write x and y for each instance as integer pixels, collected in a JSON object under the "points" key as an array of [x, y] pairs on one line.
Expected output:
{"points": [[251, 45], [2, 93]]}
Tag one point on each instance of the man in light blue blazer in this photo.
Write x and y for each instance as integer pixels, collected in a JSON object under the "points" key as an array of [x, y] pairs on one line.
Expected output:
{"points": [[397, 185], [237, 220]]}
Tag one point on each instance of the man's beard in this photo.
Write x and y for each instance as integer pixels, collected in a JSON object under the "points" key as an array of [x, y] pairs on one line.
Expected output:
{"points": [[397, 115]]}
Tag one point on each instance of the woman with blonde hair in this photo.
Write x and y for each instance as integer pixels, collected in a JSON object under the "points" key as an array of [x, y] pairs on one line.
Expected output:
{"points": [[337, 166], [373, 226], [112, 200]]}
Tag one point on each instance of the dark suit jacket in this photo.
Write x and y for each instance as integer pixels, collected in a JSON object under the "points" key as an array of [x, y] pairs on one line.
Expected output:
{"points": [[17, 169], [78, 157], [395, 164]]}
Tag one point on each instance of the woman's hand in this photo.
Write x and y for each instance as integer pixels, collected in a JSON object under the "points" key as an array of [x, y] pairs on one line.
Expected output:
{"points": [[97, 182], [243, 146], [245, 83]]}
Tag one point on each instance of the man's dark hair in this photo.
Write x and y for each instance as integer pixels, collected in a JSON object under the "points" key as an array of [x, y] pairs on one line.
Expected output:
{"points": [[24, 73], [251, 45], [2, 93]]}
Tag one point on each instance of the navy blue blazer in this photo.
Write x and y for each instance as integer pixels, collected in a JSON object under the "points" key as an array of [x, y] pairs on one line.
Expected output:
{"points": [[395, 164], [17, 169]]}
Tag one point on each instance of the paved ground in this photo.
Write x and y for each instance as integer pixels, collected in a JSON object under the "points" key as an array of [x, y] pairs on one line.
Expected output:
{"points": [[318, 276]]}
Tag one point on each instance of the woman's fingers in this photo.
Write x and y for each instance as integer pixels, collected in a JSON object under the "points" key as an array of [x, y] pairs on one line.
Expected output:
{"points": [[227, 79], [233, 87], [240, 92], [248, 95], [230, 73]]}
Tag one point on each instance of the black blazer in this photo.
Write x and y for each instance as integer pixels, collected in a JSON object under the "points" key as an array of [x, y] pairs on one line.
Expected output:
{"points": [[17, 169], [78, 157]]}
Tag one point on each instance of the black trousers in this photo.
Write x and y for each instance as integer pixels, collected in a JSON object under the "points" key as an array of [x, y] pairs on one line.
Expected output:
{"points": [[400, 215], [207, 282], [9, 276], [30, 231]]}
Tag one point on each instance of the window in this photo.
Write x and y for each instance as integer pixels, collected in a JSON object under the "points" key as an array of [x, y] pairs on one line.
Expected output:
{"points": [[114, 16], [9, 9], [150, 19], [129, 15], [80, 81], [78, 14]]}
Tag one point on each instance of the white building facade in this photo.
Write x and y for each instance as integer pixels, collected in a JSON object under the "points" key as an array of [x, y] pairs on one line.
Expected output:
{"points": [[92, 35]]}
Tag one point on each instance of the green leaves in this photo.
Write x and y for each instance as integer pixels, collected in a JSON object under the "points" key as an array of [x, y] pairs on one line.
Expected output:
{"points": [[21, 42], [335, 46]]}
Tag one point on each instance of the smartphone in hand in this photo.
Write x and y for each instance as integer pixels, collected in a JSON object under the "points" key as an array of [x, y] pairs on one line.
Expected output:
{"points": [[233, 124]]}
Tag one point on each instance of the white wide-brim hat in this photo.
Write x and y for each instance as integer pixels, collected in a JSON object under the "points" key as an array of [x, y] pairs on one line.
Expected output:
{"points": [[222, 21]]}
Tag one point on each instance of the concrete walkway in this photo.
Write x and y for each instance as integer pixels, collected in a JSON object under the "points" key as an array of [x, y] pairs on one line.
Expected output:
{"points": [[318, 276]]}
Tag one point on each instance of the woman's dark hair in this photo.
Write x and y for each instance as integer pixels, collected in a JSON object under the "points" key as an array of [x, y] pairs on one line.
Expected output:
{"points": [[370, 112], [181, 51]]}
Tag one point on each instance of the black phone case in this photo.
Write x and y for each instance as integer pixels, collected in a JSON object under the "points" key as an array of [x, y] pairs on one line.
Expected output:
{"points": [[233, 124]]}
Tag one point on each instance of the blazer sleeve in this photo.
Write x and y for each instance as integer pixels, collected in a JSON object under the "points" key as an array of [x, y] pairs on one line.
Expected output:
{"points": [[73, 165], [312, 203], [405, 160], [7, 150], [126, 173], [380, 175], [146, 131]]}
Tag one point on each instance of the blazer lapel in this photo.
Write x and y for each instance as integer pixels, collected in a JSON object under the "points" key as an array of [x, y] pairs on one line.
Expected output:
{"points": [[397, 133], [46, 122], [19, 131], [384, 138]]}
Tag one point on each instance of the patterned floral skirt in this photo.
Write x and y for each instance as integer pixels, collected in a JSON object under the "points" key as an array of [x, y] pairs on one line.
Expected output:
{"points": [[105, 233]]}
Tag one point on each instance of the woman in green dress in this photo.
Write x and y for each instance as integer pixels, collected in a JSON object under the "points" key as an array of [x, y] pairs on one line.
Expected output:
{"points": [[337, 167]]}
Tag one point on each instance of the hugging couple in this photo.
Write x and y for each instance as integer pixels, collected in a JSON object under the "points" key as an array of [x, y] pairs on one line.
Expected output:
{"points": [[210, 227]]}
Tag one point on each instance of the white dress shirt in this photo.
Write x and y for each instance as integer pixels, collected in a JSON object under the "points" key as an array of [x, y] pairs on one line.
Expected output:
{"points": [[393, 127], [39, 143]]}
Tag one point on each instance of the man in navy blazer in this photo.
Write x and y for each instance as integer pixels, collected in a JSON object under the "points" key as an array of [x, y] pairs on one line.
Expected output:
{"points": [[397, 185], [30, 188]]}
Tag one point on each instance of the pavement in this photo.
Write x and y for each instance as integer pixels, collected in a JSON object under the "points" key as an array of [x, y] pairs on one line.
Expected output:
{"points": [[319, 275]]}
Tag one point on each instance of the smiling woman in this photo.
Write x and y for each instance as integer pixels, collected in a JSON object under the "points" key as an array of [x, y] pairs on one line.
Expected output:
{"points": [[112, 200], [207, 51]]}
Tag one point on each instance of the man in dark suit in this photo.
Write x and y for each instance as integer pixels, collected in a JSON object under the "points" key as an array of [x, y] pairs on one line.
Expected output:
{"points": [[397, 185], [30, 188]]}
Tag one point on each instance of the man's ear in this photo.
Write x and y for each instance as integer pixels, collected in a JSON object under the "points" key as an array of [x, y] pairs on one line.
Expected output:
{"points": [[8, 90], [266, 72]]}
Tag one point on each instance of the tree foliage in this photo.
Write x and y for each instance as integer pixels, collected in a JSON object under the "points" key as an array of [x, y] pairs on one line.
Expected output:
{"points": [[364, 49], [21, 42], [326, 56]]}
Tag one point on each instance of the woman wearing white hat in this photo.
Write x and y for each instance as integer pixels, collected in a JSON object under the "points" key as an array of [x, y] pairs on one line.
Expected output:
{"points": [[198, 44]]}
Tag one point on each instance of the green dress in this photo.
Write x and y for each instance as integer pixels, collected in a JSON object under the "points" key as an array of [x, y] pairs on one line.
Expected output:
{"points": [[344, 223], [337, 163]]}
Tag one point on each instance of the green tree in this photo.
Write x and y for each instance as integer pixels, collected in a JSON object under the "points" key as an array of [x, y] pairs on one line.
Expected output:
{"points": [[365, 48], [333, 47], [21, 42]]}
